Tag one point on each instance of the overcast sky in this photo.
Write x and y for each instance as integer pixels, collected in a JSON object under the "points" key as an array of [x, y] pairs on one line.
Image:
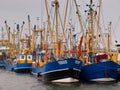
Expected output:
{"points": [[16, 11]]}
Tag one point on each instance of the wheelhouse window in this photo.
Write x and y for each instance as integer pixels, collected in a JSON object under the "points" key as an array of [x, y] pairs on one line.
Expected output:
{"points": [[22, 57], [29, 57]]}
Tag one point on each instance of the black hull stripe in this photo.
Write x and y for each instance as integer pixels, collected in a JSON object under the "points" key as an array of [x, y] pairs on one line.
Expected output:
{"points": [[60, 75]]}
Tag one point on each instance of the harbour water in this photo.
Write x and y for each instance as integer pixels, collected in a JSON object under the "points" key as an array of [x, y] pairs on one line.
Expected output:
{"points": [[12, 81]]}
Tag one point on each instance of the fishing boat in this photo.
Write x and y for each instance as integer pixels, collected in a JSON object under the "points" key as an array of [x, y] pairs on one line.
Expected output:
{"points": [[103, 71], [4, 55], [23, 63], [2, 59], [4, 50], [97, 66], [51, 65], [50, 68], [21, 58], [115, 55], [58, 71]]}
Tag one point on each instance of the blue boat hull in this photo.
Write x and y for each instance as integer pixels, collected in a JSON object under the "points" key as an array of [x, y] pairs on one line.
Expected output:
{"points": [[9, 67], [2, 64], [100, 72], [119, 73], [61, 71], [35, 71], [19, 68], [22, 68]]}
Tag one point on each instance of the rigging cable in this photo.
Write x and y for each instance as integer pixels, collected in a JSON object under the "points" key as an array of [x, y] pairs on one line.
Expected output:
{"points": [[60, 20]]}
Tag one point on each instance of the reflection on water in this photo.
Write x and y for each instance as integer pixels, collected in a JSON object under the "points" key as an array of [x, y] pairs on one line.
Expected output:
{"points": [[12, 81], [112, 86], [63, 87]]}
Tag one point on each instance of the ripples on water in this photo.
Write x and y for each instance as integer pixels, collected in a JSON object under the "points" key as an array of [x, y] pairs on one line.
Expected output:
{"points": [[12, 81]]}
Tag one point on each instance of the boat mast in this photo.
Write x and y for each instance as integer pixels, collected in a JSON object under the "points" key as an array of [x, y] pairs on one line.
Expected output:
{"points": [[90, 28], [29, 34], [81, 25], [56, 15], [49, 23], [99, 28], [63, 32], [22, 29], [97, 20], [64, 24], [18, 38], [8, 32], [79, 17], [29, 26], [14, 40], [109, 37], [20, 35]]}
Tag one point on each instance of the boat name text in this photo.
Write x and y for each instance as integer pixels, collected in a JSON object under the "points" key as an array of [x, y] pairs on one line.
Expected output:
{"points": [[62, 62], [77, 62]]}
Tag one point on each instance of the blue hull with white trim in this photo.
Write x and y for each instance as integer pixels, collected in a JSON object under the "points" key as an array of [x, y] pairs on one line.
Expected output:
{"points": [[9, 67], [22, 68], [61, 71], [100, 72], [19, 68], [22, 64], [2, 64]]}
